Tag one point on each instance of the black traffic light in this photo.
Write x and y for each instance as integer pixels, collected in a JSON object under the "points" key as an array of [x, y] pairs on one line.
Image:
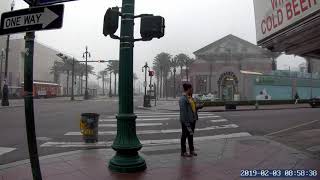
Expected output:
{"points": [[151, 73], [111, 21], [152, 27]]}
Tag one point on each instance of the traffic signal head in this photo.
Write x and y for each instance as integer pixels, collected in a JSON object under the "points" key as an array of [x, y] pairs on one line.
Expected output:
{"points": [[152, 27], [111, 21], [151, 73]]}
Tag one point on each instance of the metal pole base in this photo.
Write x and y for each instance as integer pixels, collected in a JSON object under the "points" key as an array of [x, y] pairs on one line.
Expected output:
{"points": [[5, 97], [127, 145], [127, 163]]}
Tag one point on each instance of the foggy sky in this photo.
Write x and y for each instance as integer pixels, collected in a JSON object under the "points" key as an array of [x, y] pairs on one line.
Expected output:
{"points": [[190, 25]]}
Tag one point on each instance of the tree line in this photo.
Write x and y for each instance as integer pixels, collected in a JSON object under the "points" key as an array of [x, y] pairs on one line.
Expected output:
{"points": [[64, 66], [165, 66]]}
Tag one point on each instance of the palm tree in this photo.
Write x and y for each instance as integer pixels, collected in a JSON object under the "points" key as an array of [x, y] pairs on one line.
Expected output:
{"points": [[162, 63], [181, 59], [66, 68], [174, 64], [113, 66], [102, 75], [135, 77], [156, 68], [110, 79], [188, 63], [56, 70]]}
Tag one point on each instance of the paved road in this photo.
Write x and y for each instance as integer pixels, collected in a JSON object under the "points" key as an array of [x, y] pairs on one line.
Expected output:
{"points": [[58, 127]]}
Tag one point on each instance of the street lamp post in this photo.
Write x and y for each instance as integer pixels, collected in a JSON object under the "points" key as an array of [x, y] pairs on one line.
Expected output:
{"points": [[2, 59], [145, 69], [86, 54], [5, 92], [146, 98]]}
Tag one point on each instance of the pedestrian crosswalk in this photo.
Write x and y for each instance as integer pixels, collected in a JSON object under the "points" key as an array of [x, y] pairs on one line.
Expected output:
{"points": [[154, 128], [5, 150]]}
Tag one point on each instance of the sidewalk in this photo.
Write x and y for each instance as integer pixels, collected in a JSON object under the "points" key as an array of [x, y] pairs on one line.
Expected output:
{"points": [[20, 102], [221, 159], [174, 106]]}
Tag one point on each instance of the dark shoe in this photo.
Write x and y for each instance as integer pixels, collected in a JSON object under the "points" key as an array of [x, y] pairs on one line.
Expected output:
{"points": [[193, 154], [185, 154]]}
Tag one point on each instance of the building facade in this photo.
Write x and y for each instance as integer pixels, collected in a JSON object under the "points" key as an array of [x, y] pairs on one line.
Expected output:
{"points": [[234, 69], [220, 68], [44, 58]]}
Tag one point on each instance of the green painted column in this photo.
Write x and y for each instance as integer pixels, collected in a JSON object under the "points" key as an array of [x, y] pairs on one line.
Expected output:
{"points": [[126, 144]]}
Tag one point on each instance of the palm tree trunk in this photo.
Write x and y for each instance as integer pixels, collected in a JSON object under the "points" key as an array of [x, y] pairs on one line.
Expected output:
{"points": [[115, 84], [81, 85], [110, 88], [161, 84], [67, 83], [187, 73], [103, 84], [158, 86], [174, 83], [166, 87], [181, 77]]}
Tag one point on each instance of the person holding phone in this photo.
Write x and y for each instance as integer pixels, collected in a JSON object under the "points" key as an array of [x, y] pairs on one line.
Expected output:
{"points": [[188, 118]]}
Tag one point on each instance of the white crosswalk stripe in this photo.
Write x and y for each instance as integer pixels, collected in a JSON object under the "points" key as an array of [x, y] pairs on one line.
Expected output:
{"points": [[4, 150], [166, 131], [144, 142], [153, 124], [138, 124], [149, 118]]}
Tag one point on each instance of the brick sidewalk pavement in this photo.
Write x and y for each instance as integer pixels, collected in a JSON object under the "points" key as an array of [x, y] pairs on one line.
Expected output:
{"points": [[217, 160]]}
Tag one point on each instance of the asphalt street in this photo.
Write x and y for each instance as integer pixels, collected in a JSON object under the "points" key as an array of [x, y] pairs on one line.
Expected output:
{"points": [[57, 126]]}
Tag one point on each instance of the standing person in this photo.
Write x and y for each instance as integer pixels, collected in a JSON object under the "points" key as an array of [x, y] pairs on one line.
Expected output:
{"points": [[296, 97], [188, 117]]}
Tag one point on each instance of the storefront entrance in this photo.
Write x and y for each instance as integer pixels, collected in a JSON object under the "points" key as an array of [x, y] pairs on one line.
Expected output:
{"points": [[228, 86]]}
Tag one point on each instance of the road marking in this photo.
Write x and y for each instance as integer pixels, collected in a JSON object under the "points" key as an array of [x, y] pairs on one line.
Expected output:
{"points": [[314, 148], [290, 128], [165, 131], [219, 120], [176, 113], [144, 142], [151, 115], [137, 125], [4, 150], [155, 119]]}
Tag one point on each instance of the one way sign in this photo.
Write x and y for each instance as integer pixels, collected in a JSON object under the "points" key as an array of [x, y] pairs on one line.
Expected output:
{"points": [[32, 19]]}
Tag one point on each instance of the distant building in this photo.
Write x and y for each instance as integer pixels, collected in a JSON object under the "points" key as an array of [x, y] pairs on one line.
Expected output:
{"points": [[234, 69], [44, 58], [303, 67]]}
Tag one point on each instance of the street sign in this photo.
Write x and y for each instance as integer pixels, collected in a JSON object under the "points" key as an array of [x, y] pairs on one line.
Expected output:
{"points": [[47, 2], [32, 19]]}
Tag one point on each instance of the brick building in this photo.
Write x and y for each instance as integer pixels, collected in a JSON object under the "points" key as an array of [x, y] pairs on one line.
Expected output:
{"points": [[221, 68]]}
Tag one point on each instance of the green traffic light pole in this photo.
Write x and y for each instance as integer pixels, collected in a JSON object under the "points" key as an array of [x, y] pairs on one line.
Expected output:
{"points": [[126, 143]]}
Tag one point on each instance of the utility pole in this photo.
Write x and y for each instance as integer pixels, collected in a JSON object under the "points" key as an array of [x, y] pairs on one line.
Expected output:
{"points": [[2, 59], [126, 143], [5, 92], [72, 81], [86, 54]]}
